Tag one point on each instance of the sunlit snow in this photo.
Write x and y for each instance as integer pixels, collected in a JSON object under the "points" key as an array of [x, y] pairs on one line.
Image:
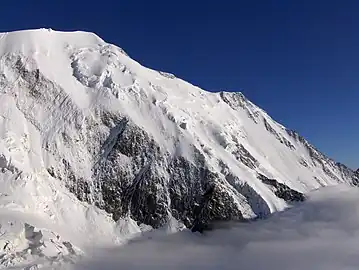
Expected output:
{"points": [[52, 82]]}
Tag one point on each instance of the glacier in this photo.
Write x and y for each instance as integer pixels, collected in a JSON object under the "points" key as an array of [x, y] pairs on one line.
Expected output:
{"points": [[96, 148]]}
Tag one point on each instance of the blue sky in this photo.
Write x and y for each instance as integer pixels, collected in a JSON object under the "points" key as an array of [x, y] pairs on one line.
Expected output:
{"points": [[298, 60]]}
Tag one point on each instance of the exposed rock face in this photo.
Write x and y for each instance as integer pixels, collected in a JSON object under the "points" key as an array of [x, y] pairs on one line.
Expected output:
{"points": [[145, 144], [281, 190], [155, 186]]}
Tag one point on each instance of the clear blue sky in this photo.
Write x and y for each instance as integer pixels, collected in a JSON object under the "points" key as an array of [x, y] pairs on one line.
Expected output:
{"points": [[299, 60]]}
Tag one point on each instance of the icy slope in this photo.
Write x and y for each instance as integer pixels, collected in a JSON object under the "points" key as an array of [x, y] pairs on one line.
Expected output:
{"points": [[79, 114]]}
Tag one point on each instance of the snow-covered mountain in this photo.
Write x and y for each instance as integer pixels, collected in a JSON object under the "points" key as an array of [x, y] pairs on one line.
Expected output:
{"points": [[95, 142]]}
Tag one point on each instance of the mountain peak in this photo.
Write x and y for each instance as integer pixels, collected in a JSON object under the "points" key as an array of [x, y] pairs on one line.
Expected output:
{"points": [[85, 129], [43, 32], [33, 40]]}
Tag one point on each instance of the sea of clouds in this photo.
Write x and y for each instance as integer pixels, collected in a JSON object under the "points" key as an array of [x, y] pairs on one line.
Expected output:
{"points": [[321, 233]]}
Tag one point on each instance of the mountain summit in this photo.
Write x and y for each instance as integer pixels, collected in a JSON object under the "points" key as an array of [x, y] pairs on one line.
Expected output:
{"points": [[91, 138]]}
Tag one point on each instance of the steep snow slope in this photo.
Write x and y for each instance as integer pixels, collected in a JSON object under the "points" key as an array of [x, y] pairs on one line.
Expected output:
{"points": [[84, 127]]}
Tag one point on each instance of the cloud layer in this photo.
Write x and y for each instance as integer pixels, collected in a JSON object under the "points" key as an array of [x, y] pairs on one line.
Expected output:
{"points": [[322, 233]]}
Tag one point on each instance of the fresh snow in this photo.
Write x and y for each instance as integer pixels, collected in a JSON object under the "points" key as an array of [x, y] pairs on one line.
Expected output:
{"points": [[82, 74]]}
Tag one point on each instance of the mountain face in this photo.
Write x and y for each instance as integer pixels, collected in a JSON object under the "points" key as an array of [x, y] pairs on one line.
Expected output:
{"points": [[80, 114]]}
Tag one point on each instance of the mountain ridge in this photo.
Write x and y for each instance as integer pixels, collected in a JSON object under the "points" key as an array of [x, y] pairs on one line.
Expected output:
{"points": [[143, 144]]}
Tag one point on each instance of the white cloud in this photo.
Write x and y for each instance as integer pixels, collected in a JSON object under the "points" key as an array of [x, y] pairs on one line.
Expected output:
{"points": [[322, 233]]}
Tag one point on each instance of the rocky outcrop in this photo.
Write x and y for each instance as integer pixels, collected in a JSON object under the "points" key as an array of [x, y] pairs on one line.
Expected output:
{"points": [[282, 191]]}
